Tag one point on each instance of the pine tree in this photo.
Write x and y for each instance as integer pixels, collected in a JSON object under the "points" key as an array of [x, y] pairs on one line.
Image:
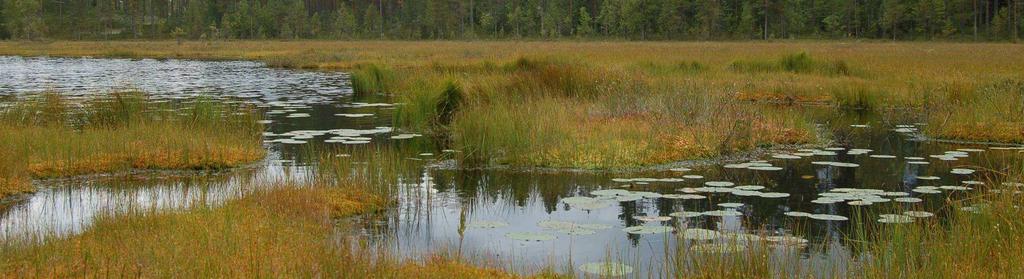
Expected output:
{"points": [[370, 20], [344, 22], [709, 16], [585, 27], [670, 19], [22, 19], [609, 18], [488, 24], [892, 16], [745, 27]]}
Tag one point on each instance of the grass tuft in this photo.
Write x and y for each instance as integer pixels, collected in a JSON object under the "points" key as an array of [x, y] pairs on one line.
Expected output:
{"points": [[371, 79], [799, 63]]}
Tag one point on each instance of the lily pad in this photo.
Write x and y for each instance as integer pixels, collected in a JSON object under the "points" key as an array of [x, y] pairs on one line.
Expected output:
{"points": [[970, 150], [719, 183], [773, 195], [961, 171], [736, 166], [766, 168], [786, 156], [828, 217], [895, 219], [628, 198], [859, 203], [749, 187], [744, 193], [926, 191], [652, 218], [578, 200], [894, 194], [610, 192], [908, 200], [715, 189], [647, 229], [685, 214], [722, 213], [825, 201], [845, 165], [919, 214], [797, 214]]}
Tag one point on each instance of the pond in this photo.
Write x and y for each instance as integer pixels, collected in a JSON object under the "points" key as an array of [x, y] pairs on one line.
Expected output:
{"points": [[802, 199]]}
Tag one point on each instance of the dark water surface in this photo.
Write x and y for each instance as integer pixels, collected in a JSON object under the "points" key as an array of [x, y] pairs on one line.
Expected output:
{"points": [[445, 209]]}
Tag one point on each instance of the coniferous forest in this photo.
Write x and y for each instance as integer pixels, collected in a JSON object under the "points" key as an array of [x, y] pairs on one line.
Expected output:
{"points": [[992, 20]]}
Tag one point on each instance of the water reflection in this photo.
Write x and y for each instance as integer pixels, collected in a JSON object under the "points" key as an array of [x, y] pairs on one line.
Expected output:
{"points": [[524, 199]]}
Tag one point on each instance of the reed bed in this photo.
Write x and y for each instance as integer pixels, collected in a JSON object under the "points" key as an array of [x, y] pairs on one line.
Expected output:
{"points": [[49, 135]]}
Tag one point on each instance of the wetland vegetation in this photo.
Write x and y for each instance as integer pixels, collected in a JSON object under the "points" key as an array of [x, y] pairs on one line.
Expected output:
{"points": [[463, 159], [50, 136]]}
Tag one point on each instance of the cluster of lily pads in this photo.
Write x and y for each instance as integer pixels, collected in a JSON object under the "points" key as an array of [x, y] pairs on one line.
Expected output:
{"points": [[755, 165], [550, 227], [730, 188], [905, 217], [287, 107], [344, 136], [906, 129]]}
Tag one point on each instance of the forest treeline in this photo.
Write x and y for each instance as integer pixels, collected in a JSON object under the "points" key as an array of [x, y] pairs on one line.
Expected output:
{"points": [[538, 19]]}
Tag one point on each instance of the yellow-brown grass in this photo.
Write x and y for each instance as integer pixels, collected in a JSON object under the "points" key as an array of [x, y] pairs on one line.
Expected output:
{"points": [[45, 139], [287, 231]]}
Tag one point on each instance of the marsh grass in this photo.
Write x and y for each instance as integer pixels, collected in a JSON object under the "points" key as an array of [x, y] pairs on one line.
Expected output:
{"points": [[682, 67], [799, 63], [991, 112], [376, 170], [51, 136], [371, 79], [857, 96], [546, 112], [963, 244]]}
